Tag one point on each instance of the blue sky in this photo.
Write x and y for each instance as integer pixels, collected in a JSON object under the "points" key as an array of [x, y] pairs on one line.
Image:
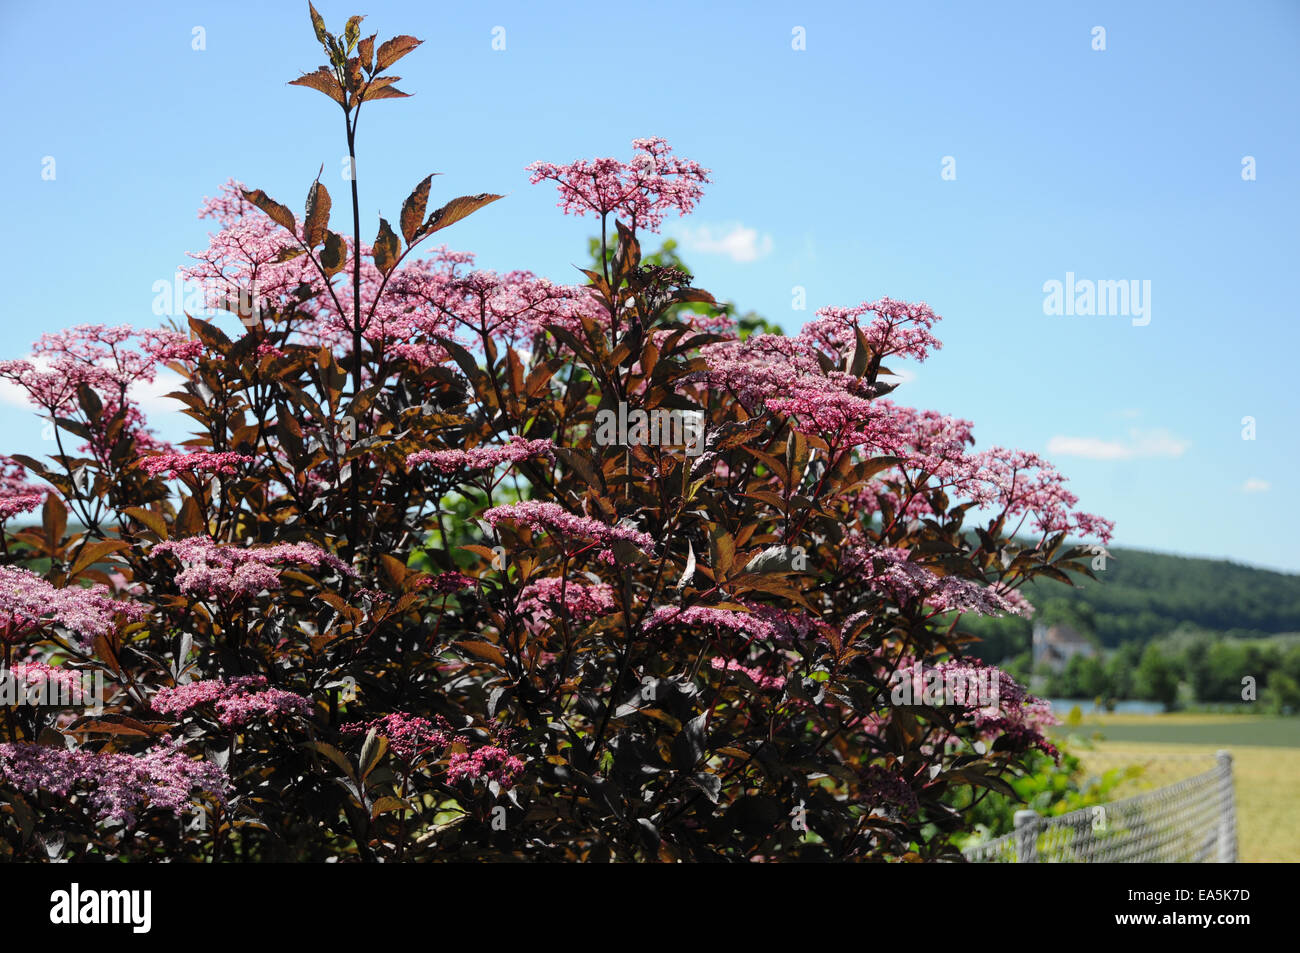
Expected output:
{"points": [[1116, 164]]}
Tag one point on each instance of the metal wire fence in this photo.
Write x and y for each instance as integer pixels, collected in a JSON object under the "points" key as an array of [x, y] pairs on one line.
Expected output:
{"points": [[1193, 820]]}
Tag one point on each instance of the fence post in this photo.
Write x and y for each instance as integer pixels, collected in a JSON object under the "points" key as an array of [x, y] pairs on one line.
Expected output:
{"points": [[1026, 837], [1227, 809]]}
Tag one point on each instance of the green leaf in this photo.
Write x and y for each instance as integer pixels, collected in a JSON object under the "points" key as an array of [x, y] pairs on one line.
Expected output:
{"points": [[318, 24], [352, 32]]}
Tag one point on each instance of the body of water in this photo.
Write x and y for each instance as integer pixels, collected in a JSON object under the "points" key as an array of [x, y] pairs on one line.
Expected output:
{"points": [[1061, 707]]}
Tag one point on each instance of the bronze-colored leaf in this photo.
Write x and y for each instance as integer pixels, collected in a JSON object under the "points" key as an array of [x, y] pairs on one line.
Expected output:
{"points": [[386, 248], [390, 51], [413, 209], [384, 92], [484, 650], [154, 521], [316, 219], [352, 73], [54, 520], [457, 209], [334, 255], [94, 552], [278, 213], [366, 50], [322, 80]]}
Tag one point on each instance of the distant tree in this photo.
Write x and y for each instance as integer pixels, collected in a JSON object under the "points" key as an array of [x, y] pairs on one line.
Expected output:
{"points": [[1156, 679]]}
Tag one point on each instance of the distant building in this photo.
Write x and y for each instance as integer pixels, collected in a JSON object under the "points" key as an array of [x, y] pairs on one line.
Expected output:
{"points": [[1055, 645]]}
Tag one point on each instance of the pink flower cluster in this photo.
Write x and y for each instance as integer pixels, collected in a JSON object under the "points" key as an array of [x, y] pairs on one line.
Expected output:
{"points": [[237, 701], [40, 683], [884, 788], [786, 376], [448, 582], [542, 600], [409, 736], [223, 570], [488, 763], [1017, 715], [891, 572], [707, 617], [755, 674], [640, 191], [242, 256], [28, 602], [785, 625], [110, 360], [483, 458], [514, 307], [117, 786], [896, 327], [172, 464], [1013, 483], [555, 519], [16, 494]]}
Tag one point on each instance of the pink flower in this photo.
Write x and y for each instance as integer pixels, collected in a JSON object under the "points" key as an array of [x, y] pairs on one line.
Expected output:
{"points": [[44, 684], [897, 327], [641, 191], [997, 705], [890, 572], [541, 600], [448, 582], [707, 617], [488, 763], [555, 519], [514, 307], [16, 494], [28, 602], [482, 458], [755, 675], [225, 464], [1012, 712], [409, 736], [227, 570], [786, 375], [237, 701], [116, 786]]}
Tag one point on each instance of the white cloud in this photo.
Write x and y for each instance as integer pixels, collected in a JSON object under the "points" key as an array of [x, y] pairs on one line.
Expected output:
{"points": [[1255, 485], [1140, 443], [1090, 447], [736, 241]]}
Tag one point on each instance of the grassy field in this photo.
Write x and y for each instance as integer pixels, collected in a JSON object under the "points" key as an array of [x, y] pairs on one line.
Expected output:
{"points": [[1266, 766]]}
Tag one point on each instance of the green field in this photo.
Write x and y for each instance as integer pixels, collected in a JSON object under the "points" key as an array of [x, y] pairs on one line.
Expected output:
{"points": [[1266, 766], [1197, 729]]}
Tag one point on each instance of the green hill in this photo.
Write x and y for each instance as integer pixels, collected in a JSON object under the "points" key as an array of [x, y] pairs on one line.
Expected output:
{"points": [[1141, 596]]}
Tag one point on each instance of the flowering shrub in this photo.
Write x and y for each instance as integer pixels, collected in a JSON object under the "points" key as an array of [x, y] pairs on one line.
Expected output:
{"points": [[399, 597]]}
